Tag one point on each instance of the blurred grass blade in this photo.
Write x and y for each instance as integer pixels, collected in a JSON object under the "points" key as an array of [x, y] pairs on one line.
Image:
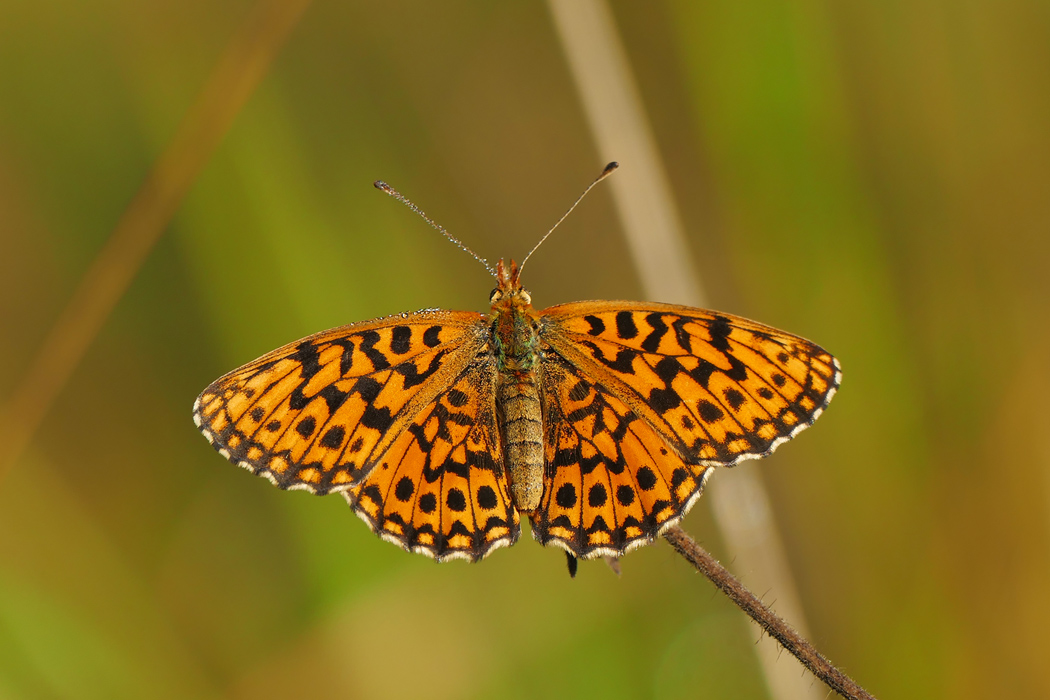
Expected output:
{"points": [[616, 116], [617, 119], [244, 63]]}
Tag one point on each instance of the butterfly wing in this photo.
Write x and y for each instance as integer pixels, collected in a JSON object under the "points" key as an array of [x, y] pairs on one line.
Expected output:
{"points": [[641, 399], [319, 413], [719, 388], [612, 482], [441, 489]]}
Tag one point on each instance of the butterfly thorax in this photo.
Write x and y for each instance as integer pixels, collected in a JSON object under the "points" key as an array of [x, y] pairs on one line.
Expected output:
{"points": [[515, 344]]}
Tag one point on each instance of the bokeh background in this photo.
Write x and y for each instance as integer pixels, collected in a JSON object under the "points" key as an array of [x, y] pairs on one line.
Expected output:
{"points": [[874, 176]]}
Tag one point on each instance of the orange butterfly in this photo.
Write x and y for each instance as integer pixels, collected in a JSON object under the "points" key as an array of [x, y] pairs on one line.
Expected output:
{"points": [[599, 420]]}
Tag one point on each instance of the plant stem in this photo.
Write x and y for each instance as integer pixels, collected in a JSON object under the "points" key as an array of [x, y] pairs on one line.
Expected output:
{"points": [[747, 601]]}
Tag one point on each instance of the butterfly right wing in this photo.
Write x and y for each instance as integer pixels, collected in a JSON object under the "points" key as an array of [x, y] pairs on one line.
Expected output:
{"points": [[719, 388], [641, 400], [319, 413], [441, 488], [613, 483]]}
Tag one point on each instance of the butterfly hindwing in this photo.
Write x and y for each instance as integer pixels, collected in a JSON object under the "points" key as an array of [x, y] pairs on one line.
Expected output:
{"points": [[719, 388], [612, 482], [441, 489], [318, 413]]}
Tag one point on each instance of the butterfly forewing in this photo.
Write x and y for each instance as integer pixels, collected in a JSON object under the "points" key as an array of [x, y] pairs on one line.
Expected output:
{"points": [[612, 481], [318, 414], [441, 489], [717, 388]]}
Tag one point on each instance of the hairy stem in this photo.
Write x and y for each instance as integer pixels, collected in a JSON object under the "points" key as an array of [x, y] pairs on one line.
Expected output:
{"points": [[791, 640]]}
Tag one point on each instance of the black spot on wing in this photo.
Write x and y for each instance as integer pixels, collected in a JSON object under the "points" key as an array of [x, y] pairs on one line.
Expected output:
{"points": [[404, 489], [377, 418], [652, 341], [400, 340], [597, 326], [737, 369], [734, 398], [456, 501], [458, 528], [580, 391], [333, 437], [367, 388], [430, 337], [428, 503], [487, 497], [306, 427], [414, 377], [668, 368], [646, 478], [346, 360], [457, 398], [332, 396], [664, 400], [625, 327], [623, 362], [566, 496], [678, 477], [709, 412], [682, 335], [598, 526], [702, 373], [720, 330], [307, 356], [368, 348], [597, 496]]}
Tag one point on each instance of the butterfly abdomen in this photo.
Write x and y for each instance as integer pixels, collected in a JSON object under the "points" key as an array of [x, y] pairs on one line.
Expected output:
{"points": [[521, 425]]}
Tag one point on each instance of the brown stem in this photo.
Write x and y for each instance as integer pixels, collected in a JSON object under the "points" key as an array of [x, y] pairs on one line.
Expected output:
{"points": [[791, 640]]}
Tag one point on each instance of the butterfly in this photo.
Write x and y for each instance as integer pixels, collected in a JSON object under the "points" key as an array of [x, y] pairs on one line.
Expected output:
{"points": [[598, 420]]}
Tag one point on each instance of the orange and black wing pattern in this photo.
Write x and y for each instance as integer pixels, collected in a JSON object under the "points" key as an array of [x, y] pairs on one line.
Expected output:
{"points": [[719, 388], [319, 414], [612, 482], [441, 489], [668, 389]]}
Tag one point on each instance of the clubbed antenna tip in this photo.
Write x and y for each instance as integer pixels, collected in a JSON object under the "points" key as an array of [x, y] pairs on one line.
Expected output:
{"points": [[380, 185], [605, 173]]}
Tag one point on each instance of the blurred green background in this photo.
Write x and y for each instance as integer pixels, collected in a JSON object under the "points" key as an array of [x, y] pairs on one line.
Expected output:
{"points": [[874, 176]]}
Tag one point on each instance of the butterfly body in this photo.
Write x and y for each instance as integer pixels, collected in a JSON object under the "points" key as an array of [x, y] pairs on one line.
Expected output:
{"points": [[598, 420], [514, 332]]}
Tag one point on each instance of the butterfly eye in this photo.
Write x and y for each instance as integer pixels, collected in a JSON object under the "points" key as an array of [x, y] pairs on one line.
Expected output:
{"points": [[525, 296], [495, 296]]}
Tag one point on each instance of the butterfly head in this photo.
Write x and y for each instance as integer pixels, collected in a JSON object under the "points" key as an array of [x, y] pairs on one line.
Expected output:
{"points": [[513, 322], [509, 291]]}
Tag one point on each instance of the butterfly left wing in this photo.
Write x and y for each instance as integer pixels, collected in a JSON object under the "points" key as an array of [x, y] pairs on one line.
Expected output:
{"points": [[441, 489], [319, 413]]}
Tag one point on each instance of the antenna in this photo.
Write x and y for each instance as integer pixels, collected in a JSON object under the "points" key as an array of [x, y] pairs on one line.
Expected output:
{"points": [[605, 173], [380, 185]]}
